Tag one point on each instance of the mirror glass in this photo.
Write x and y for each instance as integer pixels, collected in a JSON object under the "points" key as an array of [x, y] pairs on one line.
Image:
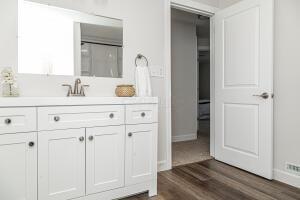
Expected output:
{"points": [[57, 41]]}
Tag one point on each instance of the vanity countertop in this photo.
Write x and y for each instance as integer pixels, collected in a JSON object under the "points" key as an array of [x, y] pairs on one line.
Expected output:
{"points": [[69, 101]]}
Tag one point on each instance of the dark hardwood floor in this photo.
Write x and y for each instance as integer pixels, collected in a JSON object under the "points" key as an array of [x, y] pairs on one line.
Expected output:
{"points": [[210, 180]]}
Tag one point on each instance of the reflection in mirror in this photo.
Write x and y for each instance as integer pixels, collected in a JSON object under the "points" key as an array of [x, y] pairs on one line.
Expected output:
{"points": [[101, 46], [66, 42]]}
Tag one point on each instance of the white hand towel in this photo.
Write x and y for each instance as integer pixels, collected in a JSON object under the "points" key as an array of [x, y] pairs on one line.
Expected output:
{"points": [[142, 82]]}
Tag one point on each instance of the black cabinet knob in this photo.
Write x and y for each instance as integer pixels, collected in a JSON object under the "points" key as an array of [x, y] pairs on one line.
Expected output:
{"points": [[7, 121], [91, 138], [56, 118], [111, 115], [143, 114], [31, 144], [81, 139]]}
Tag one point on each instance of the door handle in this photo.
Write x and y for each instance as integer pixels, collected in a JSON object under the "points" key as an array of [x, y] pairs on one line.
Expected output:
{"points": [[264, 95]]}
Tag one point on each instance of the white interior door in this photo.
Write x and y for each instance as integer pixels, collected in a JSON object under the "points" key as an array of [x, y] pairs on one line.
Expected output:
{"points": [[244, 86]]}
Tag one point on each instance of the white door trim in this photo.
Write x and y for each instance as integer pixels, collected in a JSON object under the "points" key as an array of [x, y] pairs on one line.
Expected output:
{"points": [[192, 7]]}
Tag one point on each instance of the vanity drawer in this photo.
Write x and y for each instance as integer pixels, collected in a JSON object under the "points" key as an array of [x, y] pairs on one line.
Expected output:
{"points": [[14, 120], [139, 114], [65, 117]]}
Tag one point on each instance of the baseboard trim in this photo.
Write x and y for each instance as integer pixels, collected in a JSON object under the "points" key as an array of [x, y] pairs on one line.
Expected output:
{"points": [[162, 166], [287, 178], [182, 138]]}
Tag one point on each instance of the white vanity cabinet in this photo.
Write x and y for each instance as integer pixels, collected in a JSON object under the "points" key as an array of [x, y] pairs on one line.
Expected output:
{"points": [[91, 151], [61, 164], [15, 120], [140, 153], [18, 166], [105, 147]]}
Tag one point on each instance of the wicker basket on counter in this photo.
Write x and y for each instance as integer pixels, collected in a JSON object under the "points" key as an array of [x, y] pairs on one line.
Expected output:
{"points": [[125, 91]]}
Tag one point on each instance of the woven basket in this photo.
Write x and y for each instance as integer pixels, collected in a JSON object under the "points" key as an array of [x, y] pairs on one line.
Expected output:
{"points": [[125, 91]]}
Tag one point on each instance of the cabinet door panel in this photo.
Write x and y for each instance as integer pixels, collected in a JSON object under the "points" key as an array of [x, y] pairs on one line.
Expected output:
{"points": [[141, 153], [61, 164], [18, 167], [105, 158]]}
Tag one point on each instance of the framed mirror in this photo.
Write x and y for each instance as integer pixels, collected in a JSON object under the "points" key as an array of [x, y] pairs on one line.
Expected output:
{"points": [[57, 41]]}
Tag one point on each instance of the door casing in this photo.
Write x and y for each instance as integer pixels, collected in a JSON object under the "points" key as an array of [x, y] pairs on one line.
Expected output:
{"points": [[196, 8]]}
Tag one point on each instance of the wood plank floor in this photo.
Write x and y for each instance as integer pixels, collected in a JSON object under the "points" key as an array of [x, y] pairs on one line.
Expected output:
{"points": [[212, 180]]}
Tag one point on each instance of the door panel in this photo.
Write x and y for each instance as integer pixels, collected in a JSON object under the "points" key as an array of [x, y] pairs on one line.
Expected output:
{"points": [[141, 153], [244, 137], [61, 164], [18, 167], [241, 49], [105, 158], [244, 71]]}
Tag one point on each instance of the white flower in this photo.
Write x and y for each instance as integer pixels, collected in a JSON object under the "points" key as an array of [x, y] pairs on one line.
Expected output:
{"points": [[7, 76]]}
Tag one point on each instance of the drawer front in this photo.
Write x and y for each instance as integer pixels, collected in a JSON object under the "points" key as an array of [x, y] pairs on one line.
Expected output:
{"points": [[52, 118], [14, 120], [138, 114]]}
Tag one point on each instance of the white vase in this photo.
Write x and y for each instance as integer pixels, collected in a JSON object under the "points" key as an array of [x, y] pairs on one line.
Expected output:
{"points": [[10, 90]]}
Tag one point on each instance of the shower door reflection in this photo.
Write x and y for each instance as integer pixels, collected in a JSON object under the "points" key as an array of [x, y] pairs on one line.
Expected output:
{"points": [[95, 55]]}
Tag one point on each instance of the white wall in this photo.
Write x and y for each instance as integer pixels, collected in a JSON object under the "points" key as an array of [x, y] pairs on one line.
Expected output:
{"points": [[214, 3], [143, 33], [226, 3], [8, 37], [218, 3], [184, 76], [286, 88]]}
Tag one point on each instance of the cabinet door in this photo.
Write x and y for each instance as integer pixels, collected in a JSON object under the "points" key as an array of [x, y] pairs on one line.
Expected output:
{"points": [[141, 153], [61, 164], [105, 158], [18, 166]]}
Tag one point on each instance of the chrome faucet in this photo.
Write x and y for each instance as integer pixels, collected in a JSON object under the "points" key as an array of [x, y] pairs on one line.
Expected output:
{"points": [[76, 92], [76, 86]]}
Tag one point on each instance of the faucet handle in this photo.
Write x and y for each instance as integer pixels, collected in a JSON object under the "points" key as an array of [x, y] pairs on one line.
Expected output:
{"points": [[82, 92], [69, 90]]}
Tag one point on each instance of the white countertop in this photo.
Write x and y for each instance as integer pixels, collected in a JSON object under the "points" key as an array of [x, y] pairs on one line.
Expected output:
{"points": [[69, 101]]}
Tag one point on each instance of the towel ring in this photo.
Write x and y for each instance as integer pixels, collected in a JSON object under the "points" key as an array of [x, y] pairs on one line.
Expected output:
{"points": [[139, 57]]}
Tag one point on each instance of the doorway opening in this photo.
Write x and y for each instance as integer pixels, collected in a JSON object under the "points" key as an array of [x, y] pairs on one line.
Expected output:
{"points": [[191, 88]]}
